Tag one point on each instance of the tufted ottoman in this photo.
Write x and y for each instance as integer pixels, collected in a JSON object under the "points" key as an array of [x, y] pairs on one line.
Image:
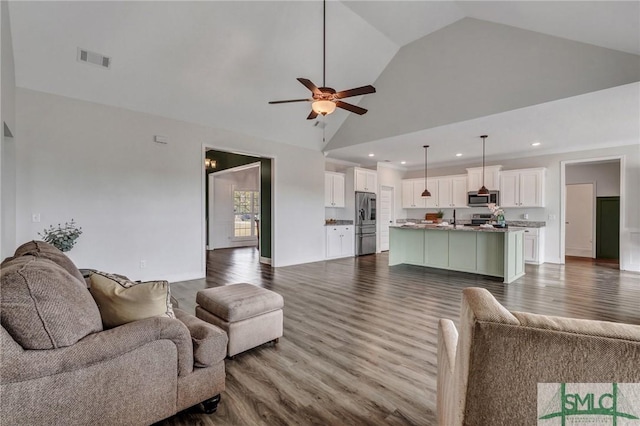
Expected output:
{"points": [[250, 315]]}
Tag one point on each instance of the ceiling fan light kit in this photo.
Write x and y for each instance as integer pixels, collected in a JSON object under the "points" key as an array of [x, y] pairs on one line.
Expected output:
{"points": [[323, 107], [324, 99]]}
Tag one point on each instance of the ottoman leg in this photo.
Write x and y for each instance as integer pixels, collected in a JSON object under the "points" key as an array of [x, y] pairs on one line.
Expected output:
{"points": [[276, 340]]}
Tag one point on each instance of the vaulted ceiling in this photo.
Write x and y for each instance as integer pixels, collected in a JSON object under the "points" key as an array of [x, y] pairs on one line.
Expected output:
{"points": [[445, 71]]}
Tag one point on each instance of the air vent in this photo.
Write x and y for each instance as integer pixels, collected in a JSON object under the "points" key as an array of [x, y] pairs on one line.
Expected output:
{"points": [[93, 58]]}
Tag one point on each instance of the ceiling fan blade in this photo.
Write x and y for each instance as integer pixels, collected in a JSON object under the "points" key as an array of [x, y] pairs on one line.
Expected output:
{"points": [[309, 85], [312, 115], [350, 107], [364, 90], [290, 100]]}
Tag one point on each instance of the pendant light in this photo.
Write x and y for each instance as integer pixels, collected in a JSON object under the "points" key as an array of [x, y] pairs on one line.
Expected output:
{"points": [[426, 192], [483, 190]]}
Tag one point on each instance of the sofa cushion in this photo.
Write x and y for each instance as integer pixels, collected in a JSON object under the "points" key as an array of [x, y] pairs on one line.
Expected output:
{"points": [[121, 301], [236, 302], [43, 306], [49, 251]]}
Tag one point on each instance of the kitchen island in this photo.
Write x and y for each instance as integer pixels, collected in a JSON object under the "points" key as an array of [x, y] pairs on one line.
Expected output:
{"points": [[497, 252]]}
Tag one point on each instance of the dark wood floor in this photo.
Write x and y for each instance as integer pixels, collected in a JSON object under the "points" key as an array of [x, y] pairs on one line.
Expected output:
{"points": [[359, 345]]}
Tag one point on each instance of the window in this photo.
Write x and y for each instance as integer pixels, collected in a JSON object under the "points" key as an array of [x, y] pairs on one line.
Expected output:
{"points": [[246, 210]]}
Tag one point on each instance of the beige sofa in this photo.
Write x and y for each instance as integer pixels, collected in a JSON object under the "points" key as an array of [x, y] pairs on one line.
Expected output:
{"points": [[488, 373], [59, 366]]}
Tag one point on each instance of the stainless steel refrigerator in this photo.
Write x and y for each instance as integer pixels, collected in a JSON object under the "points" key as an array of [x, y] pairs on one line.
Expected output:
{"points": [[365, 223]]}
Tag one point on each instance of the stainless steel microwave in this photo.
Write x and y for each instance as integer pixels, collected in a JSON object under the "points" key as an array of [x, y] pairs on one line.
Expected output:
{"points": [[475, 200]]}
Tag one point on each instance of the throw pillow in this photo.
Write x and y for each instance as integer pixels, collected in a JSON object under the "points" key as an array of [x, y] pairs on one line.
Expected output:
{"points": [[121, 301]]}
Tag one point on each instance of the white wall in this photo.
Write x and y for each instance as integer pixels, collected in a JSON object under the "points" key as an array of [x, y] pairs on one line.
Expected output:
{"points": [[138, 200], [7, 150], [221, 225], [606, 177]]}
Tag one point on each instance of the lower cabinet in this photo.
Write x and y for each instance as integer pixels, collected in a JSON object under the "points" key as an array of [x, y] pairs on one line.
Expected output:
{"points": [[534, 245], [499, 254], [340, 241]]}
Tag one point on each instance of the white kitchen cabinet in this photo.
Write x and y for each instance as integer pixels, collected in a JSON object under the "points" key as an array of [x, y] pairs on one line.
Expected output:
{"points": [[534, 245], [522, 188], [412, 194], [334, 189], [340, 241], [491, 178], [366, 180], [452, 192], [433, 187]]}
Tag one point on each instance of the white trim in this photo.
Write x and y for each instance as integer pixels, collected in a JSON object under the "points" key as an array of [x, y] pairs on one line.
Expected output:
{"points": [[624, 254], [265, 260]]}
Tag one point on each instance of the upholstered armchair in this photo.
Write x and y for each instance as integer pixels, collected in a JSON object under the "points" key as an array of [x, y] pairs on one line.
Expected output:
{"points": [[489, 371], [60, 366]]}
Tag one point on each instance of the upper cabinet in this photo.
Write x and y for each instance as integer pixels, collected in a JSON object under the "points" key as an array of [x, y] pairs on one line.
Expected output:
{"points": [[522, 188], [412, 194], [334, 189], [446, 192], [491, 178], [452, 191], [366, 180]]}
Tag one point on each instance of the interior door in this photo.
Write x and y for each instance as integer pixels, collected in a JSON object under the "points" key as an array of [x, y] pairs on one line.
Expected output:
{"points": [[579, 220], [385, 215]]}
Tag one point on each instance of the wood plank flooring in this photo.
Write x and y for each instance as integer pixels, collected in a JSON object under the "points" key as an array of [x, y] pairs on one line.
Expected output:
{"points": [[360, 337]]}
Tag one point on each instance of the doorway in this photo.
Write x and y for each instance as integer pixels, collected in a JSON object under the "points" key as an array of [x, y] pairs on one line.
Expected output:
{"points": [[385, 215], [258, 222], [592, 208], [608, 228]]}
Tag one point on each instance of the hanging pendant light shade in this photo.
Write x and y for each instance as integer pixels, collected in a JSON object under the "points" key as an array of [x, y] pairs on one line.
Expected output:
{"points": [[483, 190], [426, 192]]}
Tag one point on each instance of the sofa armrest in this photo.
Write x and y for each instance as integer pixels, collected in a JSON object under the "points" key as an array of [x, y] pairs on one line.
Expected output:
{"points": [[209, 341], [446, 398], [18, 364]]}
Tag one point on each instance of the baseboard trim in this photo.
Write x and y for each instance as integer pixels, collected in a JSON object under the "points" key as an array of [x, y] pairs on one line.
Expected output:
{"points": [[265, 260]]}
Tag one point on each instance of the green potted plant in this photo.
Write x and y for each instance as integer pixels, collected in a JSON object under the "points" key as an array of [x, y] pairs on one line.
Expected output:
{"points": [[440, 215], [62, 237]]}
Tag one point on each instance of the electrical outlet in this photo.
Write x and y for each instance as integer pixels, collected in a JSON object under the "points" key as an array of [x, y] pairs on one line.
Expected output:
{"points": [[552, 217], [35, 218], [143, 264]]}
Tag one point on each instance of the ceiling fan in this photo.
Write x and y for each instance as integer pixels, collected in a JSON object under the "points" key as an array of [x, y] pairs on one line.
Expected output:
{"points": [[326, 99]]}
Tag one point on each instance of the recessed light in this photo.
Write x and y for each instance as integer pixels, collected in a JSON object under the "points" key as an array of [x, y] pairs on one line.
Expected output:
{"points": [[403, 162], [370, 155], [459, 154], [535, 144]]}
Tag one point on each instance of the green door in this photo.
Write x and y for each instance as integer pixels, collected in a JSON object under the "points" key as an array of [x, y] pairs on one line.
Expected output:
{"points": [[608, 227]]}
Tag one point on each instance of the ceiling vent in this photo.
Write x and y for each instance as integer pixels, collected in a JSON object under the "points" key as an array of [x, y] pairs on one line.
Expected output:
{"points": [[93, 58]]}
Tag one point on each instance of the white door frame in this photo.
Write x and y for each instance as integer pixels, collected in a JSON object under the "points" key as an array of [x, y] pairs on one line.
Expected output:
{"points": [[563, 200]]}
